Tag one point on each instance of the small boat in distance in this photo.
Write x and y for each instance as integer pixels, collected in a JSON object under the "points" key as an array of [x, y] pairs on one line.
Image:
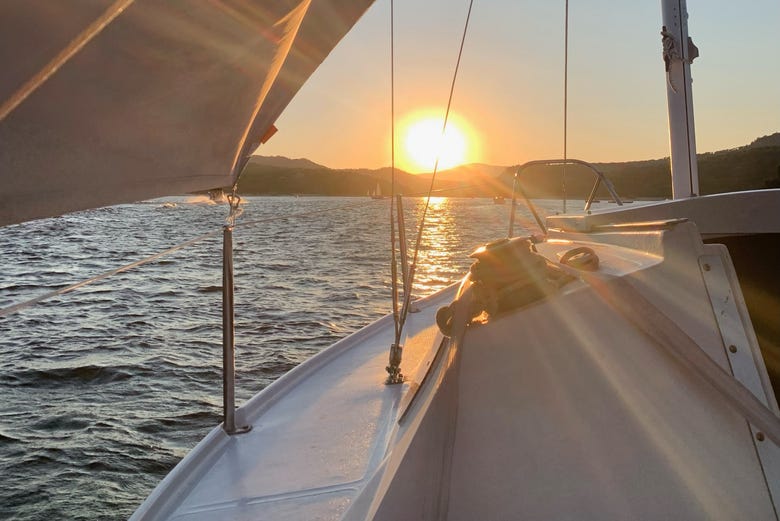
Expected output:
{"points": [[377, 193], [498, 199]]}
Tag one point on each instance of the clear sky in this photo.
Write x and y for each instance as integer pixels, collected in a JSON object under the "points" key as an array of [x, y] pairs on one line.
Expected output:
{"points": [[508, 100]]}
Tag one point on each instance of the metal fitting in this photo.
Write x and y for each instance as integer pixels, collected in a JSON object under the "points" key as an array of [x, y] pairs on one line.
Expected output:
{"points": [[394, 369]]}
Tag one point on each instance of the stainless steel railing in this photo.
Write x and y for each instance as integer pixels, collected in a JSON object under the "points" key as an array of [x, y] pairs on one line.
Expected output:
{"points": [[517, 187]]}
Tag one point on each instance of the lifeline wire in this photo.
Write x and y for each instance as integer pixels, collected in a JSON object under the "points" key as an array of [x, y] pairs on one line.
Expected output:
{"points": [[28, 303], [412, 269], [23, 305]]}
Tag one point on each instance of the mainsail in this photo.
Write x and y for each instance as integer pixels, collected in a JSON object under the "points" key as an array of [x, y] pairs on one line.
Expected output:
{"points": [[104, 102]]}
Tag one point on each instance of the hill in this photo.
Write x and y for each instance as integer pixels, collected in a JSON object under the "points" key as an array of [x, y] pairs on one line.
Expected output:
{"points": [[754, 166], [284, 162], [263, 179], [772, 140]]}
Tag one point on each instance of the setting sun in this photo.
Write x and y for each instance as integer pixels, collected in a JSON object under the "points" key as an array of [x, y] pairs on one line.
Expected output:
{"points": [[421, 141]]}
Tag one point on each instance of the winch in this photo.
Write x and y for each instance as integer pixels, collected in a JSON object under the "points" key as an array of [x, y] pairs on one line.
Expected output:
{"points": [[507, 274]]}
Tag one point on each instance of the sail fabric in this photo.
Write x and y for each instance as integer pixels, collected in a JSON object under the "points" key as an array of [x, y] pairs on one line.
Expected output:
{"points": [[111, 101]]}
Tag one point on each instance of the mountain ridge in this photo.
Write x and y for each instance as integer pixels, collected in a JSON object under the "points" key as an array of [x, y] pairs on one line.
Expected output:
{"points": [[285, 162], [752, 166]]}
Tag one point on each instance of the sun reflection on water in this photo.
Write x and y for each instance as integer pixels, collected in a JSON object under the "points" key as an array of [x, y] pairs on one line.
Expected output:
{"points": [[437, 267]]}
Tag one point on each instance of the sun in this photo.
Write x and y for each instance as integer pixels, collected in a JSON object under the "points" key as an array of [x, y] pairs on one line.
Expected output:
{"points": [[422, 142]]}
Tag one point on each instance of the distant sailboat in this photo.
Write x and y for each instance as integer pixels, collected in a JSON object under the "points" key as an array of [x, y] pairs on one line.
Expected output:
{"points": [[377, 194]]}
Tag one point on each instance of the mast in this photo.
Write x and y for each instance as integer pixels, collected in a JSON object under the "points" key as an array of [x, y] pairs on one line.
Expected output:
{"points": [[678, 53]]}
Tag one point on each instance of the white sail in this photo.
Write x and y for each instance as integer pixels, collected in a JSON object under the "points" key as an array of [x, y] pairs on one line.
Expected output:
{"points": [[110, 102]]}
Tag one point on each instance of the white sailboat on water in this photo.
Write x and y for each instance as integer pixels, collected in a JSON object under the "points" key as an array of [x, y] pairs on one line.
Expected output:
{"points": [[377, 193], [608, 368]]}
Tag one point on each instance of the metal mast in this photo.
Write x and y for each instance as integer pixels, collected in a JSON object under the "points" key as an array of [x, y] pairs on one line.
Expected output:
{"points": [[678, 53]]}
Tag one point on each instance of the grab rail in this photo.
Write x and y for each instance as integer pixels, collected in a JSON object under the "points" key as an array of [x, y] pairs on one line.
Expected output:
{"points": [[600, 177]]}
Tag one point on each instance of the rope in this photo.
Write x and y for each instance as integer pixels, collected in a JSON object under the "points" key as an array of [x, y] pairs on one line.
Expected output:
{"points": [[234, 200], [413, 268], [670, 53], [581, 258]]}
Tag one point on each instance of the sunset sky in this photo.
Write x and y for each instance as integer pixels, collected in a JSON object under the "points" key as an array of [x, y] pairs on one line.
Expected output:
{"points": [[508, 102]]}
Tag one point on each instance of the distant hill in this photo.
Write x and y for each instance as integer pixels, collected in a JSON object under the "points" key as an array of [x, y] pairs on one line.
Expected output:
{"points": [[754, 166], [262, 179], [284, 162], [467, 172], [772, 140]]}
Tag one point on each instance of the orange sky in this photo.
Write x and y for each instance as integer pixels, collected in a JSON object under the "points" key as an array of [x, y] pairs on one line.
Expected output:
{"points": [[509, 94]]}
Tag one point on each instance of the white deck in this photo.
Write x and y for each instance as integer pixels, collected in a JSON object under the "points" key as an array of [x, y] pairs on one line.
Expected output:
{"points": [[754, 211], [563, 409], [317, 434], [588, 419]]}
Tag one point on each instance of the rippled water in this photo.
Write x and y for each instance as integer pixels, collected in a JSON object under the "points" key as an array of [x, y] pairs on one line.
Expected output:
{"points": [[104, 390]]}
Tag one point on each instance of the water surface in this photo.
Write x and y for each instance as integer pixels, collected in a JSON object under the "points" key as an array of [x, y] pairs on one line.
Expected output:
{"points": [[104, 390]]}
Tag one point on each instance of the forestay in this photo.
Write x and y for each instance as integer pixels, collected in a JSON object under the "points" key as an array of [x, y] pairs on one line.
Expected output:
{"points": [[105, 102]]}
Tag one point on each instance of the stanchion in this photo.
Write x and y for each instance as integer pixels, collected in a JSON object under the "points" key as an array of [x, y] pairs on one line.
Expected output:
{"points": [[228, 341]]}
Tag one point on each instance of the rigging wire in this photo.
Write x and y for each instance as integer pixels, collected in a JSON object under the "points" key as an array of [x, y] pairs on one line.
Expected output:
{"points": [[393, 260], [413, 267], [565, 97]]}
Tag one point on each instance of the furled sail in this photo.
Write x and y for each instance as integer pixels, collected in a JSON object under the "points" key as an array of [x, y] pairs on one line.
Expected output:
{"points": [[110, 101]]}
